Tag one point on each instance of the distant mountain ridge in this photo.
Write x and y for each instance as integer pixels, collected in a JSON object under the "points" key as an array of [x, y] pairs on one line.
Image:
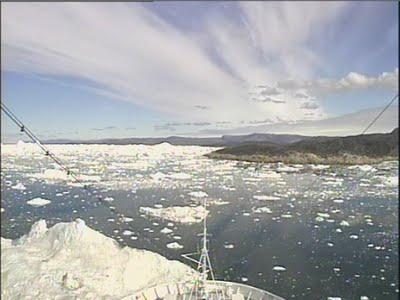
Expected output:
{"points": [[223, 141], [358, 148]]}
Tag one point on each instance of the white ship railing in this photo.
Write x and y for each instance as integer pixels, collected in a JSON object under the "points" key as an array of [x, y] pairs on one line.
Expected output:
{"points": [[182, 291]]}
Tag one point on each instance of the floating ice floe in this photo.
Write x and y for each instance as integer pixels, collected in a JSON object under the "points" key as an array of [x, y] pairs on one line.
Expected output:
{"points": [[217, 202], [266, 197], [198, 194], [180, 176], [19, 186], [287, 169], [262, 209], [320, 167], [344, 223], [55, 175], [181, 214], [174, 245], [2, 209], [38, 202], [354, 236], [229, 246], [158, 176], [73, 258], [127, 232], [279, 268], [392, 181], [286, 216], [333, 181], [363, 168], [323, 215], [166, 230], [338, 200], [127, 219], [270, 175]]}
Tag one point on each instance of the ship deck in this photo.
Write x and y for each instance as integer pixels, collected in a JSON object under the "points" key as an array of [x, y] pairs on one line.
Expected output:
{"points": [[213, 290]]}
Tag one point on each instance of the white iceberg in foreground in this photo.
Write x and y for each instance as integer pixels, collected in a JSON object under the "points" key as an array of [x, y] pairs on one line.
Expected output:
{"points": [[73, 261]]}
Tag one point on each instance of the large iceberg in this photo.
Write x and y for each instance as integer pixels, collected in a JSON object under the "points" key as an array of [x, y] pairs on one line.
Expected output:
{"points": [[73, 261]]}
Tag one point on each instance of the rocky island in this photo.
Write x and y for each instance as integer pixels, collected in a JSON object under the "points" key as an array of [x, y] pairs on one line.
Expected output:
{"points": [[348, 150]]}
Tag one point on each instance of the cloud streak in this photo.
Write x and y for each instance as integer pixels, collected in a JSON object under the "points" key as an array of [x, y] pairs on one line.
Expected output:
{"points": [[127, 51]]}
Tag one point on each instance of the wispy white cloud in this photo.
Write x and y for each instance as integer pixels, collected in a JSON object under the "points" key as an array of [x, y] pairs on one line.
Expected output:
{"points": [[352, 81], [128, 52]]}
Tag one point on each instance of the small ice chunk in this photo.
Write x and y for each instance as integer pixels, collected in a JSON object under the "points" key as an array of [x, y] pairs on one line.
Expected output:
{"points": [[344, 223], [127, 232], [287, 169], [279, 268], [166, 230], [266, 197], [354, 236], [323, 215], [174, 245], [38, 202], [245, 279], [19, 186], [392, 181], [286, 216], [336, 269], [198, 194], [109, 199], [158, 176], [127, 219], [229, 246], [180, 176], [262, 209], [338, 201]]}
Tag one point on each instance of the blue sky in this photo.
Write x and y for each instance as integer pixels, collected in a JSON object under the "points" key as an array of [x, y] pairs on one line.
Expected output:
{"points": [[95, 70]]}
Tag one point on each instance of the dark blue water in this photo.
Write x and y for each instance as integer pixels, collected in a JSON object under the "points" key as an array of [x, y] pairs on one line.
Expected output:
{"points": [[320, 262]]}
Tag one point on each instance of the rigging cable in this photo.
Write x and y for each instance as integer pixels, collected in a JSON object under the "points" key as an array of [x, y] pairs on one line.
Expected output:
{"points": [[362, 133], [369, 126], [36, 140]]}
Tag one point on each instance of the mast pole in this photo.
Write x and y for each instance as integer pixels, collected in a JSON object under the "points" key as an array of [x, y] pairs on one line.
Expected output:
{"points": [[204, 250]]}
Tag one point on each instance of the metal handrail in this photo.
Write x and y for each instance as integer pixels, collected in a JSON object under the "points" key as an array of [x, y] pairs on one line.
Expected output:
{"points": [[159, 291]]}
